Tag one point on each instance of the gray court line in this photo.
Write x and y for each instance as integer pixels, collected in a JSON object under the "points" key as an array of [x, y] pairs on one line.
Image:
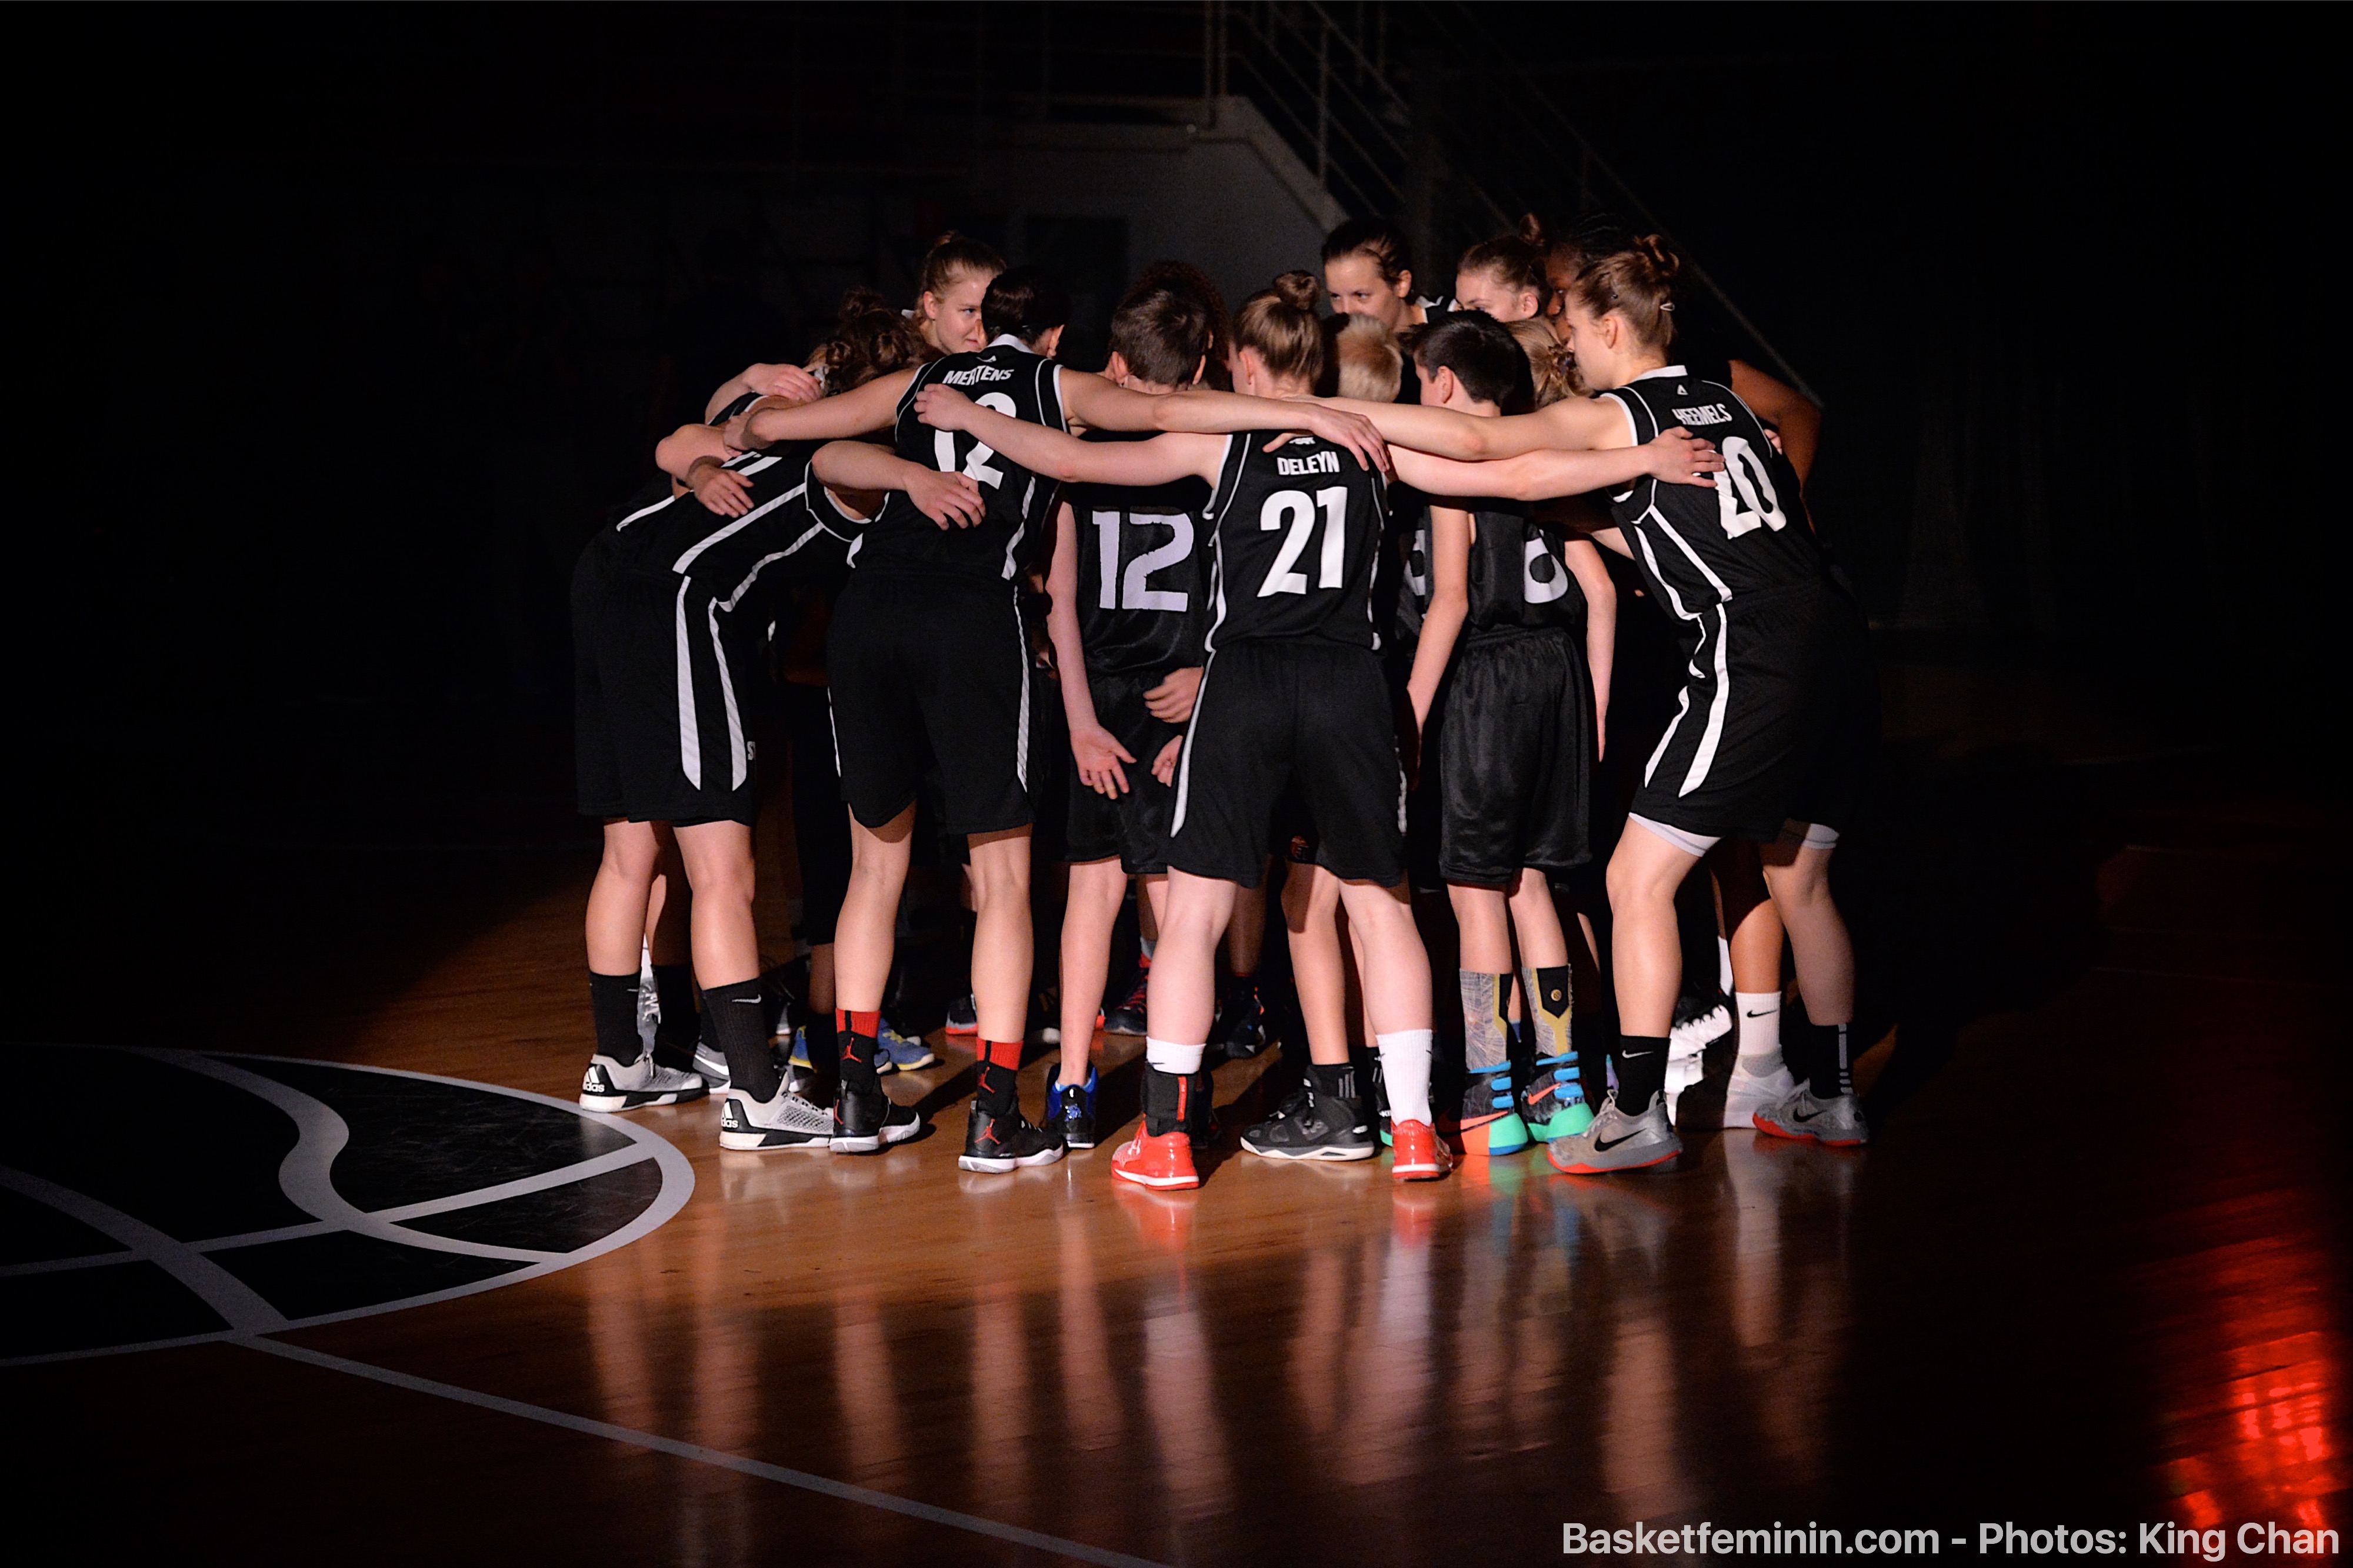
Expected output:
{"points": [[564, 1176], [305, 1173], [239, 1305], [700, 1455]]}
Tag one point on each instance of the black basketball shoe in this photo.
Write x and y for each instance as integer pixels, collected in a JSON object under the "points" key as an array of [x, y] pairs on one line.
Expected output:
{"points": [[866, 1120], [1312, 1126], [997, 1144]]}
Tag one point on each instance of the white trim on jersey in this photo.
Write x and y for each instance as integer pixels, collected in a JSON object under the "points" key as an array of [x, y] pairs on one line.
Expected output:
{"points": [[1008, 341], [1665, 372], [689, 733], [1211, 516], [741, 523], [1022, 727], [739, 764], [1208, 660]]}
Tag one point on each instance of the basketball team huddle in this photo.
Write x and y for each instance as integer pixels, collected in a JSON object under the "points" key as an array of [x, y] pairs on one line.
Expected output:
{"points": [[1277, 596]]}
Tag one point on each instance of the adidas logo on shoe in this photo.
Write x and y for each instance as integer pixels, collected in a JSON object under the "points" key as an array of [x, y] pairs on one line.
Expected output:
{"points": [[594, 1082], [731, 1119]]}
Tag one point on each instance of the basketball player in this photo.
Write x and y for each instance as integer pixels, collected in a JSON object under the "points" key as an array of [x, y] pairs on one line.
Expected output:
{"points": [[1516, 744], [930, 662], [671, 614], [1367, 271], [1129, 605], [956, 273], [1774, 731], [1293, 692], [1504, 276]]}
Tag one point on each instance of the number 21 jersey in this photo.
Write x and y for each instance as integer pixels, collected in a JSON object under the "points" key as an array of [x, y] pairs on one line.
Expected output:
{"points": [[1295, 535]]}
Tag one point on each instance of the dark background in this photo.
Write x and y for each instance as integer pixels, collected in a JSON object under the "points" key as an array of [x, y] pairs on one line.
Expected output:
{"points": [[351, 388]]}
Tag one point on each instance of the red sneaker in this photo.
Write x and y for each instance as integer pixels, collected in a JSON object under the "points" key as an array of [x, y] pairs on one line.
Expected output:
{"points": [[1418, 1155], [1164, 1164]]}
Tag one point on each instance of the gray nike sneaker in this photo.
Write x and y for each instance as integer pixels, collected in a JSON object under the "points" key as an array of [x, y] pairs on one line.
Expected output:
{"points": [[1617, 1141], [1837, 1122]]}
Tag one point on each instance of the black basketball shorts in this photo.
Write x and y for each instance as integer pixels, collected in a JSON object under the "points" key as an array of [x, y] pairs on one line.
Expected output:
{"points": [[1515, 749], [667, 696], [1134, 827], [927, 669], [1780, 722], [1303, 710]]}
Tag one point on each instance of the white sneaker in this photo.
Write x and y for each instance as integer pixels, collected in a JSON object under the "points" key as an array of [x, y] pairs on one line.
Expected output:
{"points": [[1837, 1122], [1690, 1039], [711, 1064], [788, 1121], [1747, 1093], [609, 1086], [1682, 1073]]}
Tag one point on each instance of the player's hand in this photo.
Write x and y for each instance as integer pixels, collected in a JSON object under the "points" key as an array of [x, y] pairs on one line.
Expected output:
{"points": [[721, 490], [1352, 431], [737, 432], [951, 500], [1172, 701], [1680, 457], [944, 409], [1099, 756], [1164, 766], [789, 382]]}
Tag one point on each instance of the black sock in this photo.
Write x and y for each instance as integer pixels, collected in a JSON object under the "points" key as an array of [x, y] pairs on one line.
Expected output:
{"points": [[1338, 1081], [1641, 1071], [674, 993], [739, 1025], [1164, 1097], [613, 1005], [1831, 1074]]}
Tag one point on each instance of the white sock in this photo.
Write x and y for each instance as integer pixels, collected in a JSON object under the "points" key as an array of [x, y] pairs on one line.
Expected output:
{"points": [[1760, 1029], [1171, 1058], [1723, 966], [1405, 1072]]}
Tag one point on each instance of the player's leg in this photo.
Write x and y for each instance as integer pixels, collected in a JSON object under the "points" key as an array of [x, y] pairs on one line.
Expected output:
{"points": [[1759, 1078], [1632, 1129], [1239, 1031], [1824, 1109], [1182, 1004], [865, 937], [623, 1075], [998, 1138], [1097, 890], [1396, 997], [1488, 1121]]}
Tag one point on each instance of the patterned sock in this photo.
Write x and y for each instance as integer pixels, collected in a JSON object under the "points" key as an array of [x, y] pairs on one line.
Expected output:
{"points": [[1486, 1041]]}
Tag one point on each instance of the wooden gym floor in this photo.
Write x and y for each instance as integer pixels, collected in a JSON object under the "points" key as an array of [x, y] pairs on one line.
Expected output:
{"points": [[2093, 1273]]}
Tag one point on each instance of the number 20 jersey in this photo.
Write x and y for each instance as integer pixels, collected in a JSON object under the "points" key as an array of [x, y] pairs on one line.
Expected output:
{"points": [[1006, 377], [1701, 547], [1143, 578], [1295, 535]]}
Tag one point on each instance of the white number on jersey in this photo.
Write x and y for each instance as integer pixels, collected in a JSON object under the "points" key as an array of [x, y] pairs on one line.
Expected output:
{"points": [[1743, 492], [1132, 591], [1538, 590], [977, 464], [1293, 509]]}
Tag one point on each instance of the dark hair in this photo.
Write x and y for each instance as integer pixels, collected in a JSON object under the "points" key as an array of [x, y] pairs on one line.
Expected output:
{"points": [[1633, 275], [952, 255], [869, 339], [1377, 237], [1162, 333], [1280, 324], [1483, 354], [1028, 302], [1517, 258], [1185, 278]]}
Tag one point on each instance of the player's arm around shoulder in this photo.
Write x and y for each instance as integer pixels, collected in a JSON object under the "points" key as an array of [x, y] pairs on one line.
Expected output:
{"points": [[951, 500], [1055, 456]]}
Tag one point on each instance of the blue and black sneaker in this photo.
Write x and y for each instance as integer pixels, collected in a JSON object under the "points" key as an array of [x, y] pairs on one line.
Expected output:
{"points": [[1073, 1115]]}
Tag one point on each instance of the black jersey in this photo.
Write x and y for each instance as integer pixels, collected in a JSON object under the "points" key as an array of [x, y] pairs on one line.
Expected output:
{"points": [[1518, 581], [1411, 526], [1698, 546], [1296, 534], [1009, 379], [732, 559], [1143, 585]]}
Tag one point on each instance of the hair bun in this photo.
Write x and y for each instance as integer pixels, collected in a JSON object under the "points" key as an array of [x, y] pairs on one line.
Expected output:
{"points": [[1655, 248], [1532, 231], [1300, 291]]}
